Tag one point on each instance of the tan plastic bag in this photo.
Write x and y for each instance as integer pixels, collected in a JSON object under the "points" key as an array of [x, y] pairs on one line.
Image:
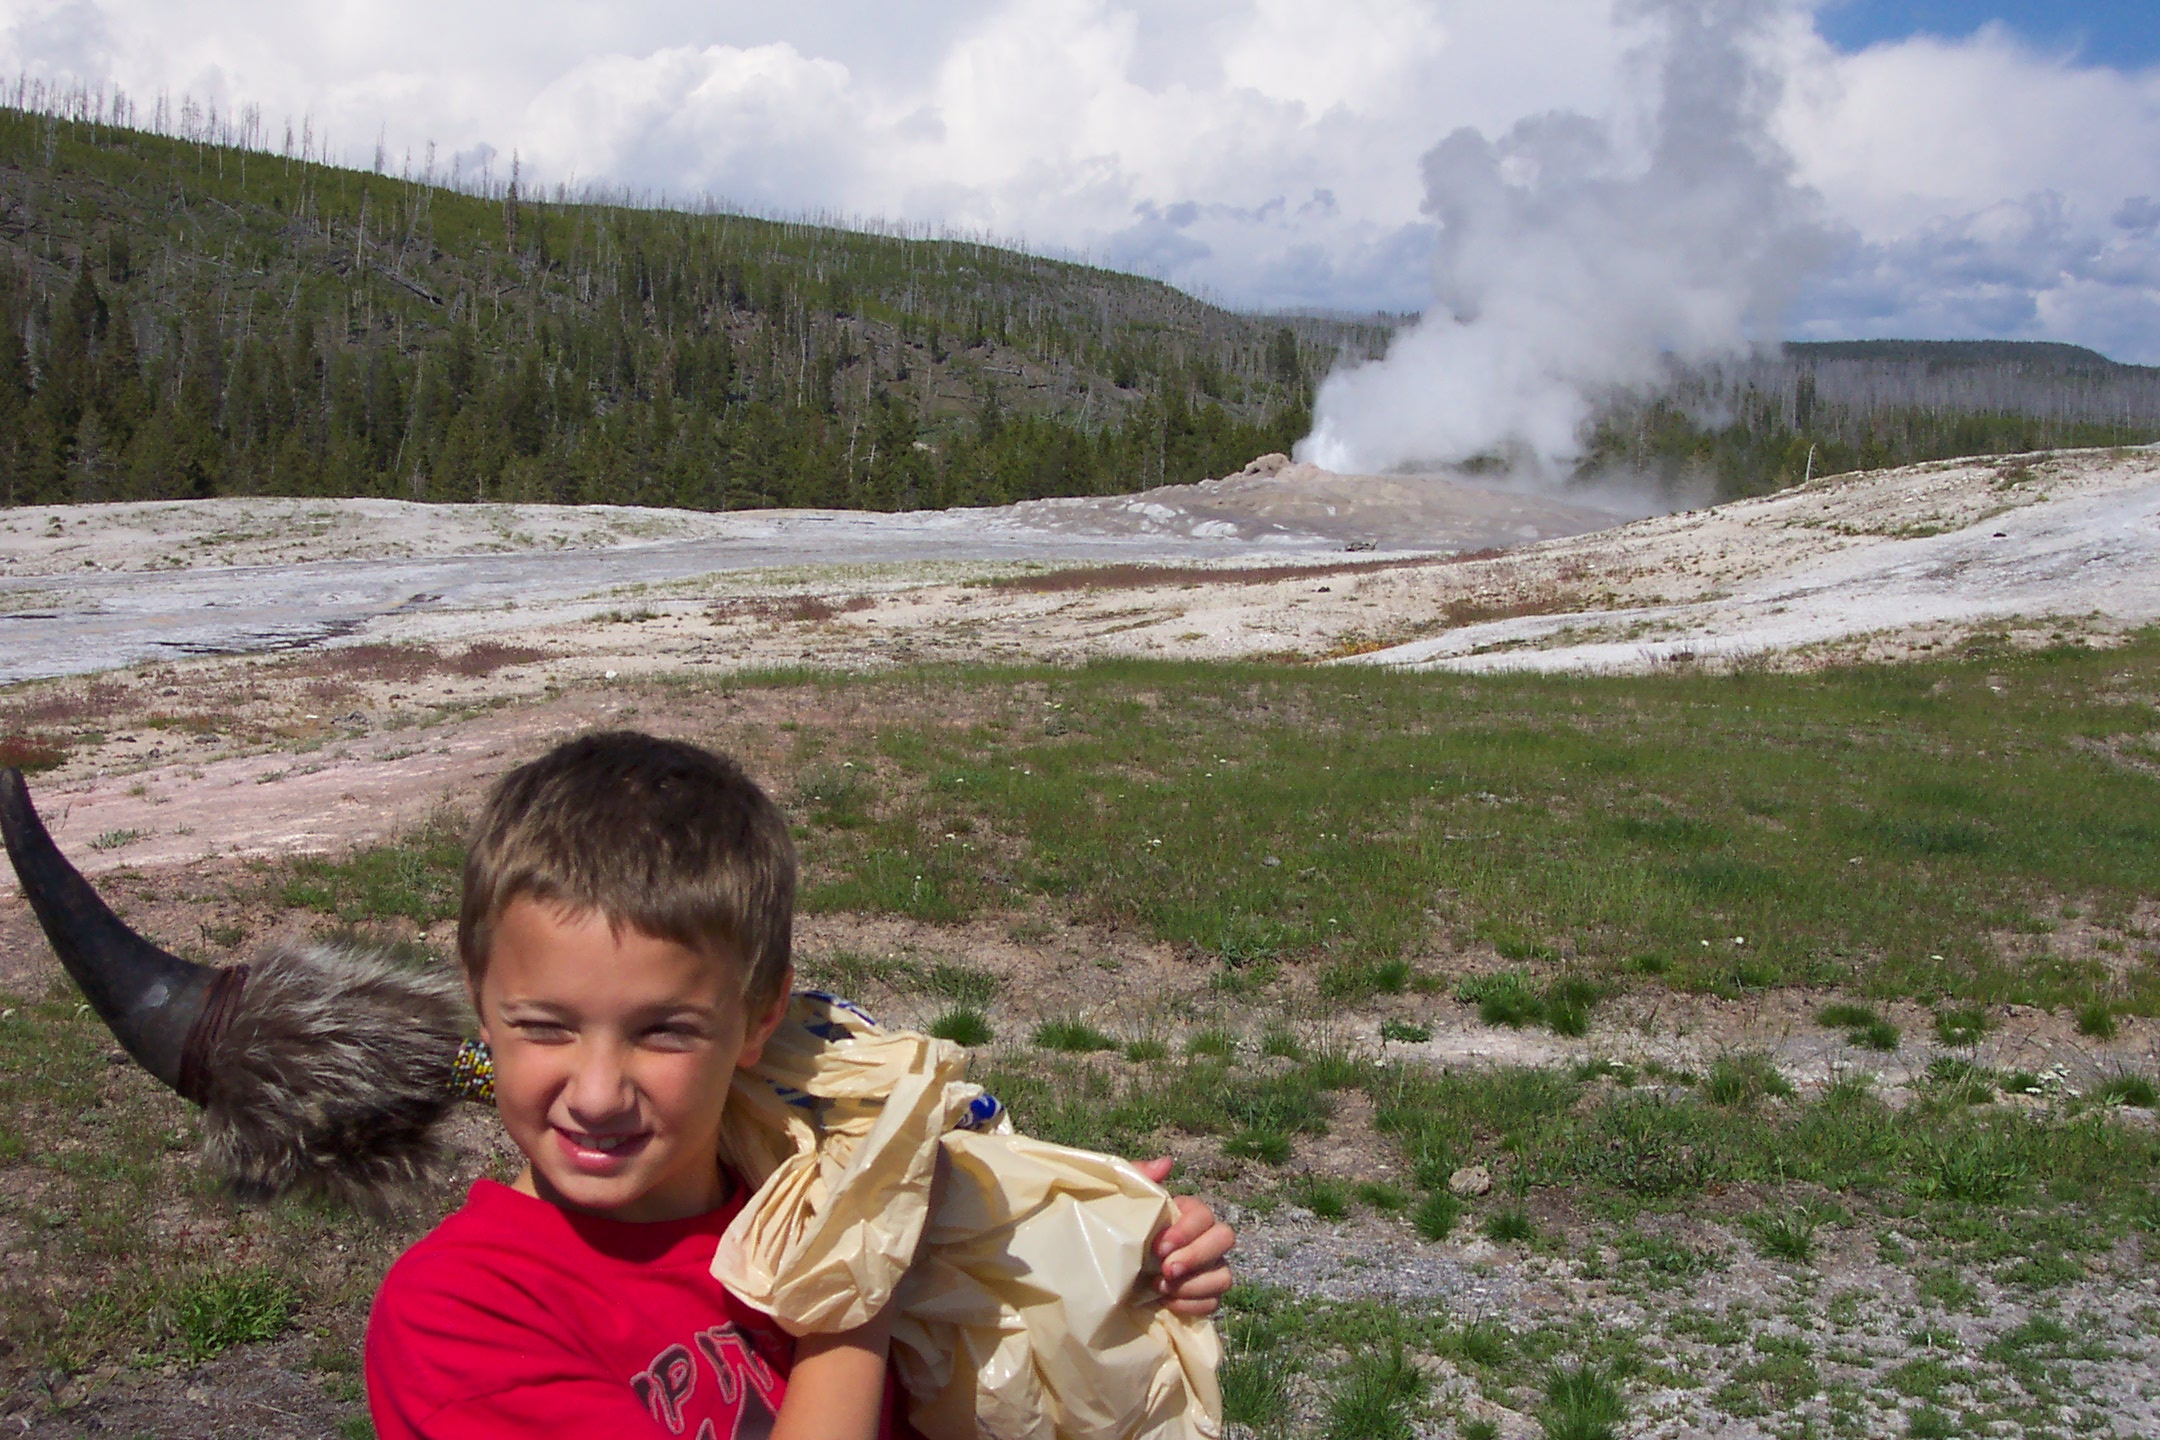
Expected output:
{"points": [[1023, 1316]]}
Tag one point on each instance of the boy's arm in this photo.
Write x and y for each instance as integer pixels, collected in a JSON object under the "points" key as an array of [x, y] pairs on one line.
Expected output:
{"points": [[836, 1387]]}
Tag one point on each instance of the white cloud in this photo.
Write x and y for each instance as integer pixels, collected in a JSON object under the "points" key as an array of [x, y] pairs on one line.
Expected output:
{"points": [[771, 119], [1992, 190], [1265, 149]]}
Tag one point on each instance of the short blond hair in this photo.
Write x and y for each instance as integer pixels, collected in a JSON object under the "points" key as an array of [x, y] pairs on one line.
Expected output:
{"points": [[659, 835]]}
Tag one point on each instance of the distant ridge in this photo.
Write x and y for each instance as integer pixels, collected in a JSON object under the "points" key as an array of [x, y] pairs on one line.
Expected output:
{"points": [[2034, 356]]}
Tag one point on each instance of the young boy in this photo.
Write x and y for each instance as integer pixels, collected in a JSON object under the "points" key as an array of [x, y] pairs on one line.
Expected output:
{"points": [[625, 934]]}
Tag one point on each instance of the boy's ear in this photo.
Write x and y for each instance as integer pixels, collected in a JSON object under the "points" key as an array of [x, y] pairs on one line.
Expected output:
{"points": [[763, 1024], [472, 993]]}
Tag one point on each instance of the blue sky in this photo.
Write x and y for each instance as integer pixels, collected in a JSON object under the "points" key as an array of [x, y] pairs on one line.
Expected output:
{"points": [[2123, 34]]}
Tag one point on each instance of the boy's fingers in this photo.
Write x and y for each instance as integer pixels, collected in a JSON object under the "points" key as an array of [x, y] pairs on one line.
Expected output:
{"points": [[1194, 1219], [1157, 1170], [1204, 1251], [1196, 1294]]}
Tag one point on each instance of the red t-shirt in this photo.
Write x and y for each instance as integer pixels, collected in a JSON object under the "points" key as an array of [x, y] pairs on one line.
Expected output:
{"points": [[515, 1318]]}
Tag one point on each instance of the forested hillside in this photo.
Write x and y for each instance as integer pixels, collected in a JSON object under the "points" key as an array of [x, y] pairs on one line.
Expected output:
{"points": [[199, 314], [1752, 427], [189, 310]]}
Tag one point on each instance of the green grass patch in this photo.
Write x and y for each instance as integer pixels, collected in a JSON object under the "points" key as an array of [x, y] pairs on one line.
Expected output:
{"points": [[214, 1312], [962, 984], [1437, 1214], [2128, 1090], [1606, 824], [1744, 1078], [1770, 1382], [849, 973], [1513, 999], [1327, 1198], [1071, 1035], [1783, 1234], [417, 877], [1374, 1397], [1929, 1423], [1863, 1026], [1632, 1149], [1213, 1042], [2097, 1020], [1945, 1287], [1664, 1261], [1582, 1402], [1254, 1390], [1381, 1196], [1509, 1227], [1954, 1080], [1963, 1027], [963, 1025], [1881, 1035], [840, 797]]}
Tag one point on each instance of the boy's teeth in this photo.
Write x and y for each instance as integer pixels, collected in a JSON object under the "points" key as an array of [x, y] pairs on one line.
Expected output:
{"points": [[604, 1142]]}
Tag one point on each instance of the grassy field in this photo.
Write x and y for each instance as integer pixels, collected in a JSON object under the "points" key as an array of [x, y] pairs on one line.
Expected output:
{"points": [[1970, 1255], [1923, 830]]}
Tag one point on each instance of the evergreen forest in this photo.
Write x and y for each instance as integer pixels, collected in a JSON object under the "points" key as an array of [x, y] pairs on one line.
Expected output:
{"points": [[195, 313], [1751, 427]]}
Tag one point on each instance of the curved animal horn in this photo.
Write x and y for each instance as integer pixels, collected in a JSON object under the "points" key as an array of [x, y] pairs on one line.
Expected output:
{"points": [[166, 1011]]}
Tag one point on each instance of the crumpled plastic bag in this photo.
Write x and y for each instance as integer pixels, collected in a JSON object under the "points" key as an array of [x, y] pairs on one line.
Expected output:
{"points": [[1023, 1317]]}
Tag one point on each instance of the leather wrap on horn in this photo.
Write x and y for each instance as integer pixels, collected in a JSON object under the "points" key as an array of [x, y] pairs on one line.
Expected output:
{"points": [[164, 1010]]}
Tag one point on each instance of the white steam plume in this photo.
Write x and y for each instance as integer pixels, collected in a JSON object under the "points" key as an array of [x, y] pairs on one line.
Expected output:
{"points": [[1567, 270]]}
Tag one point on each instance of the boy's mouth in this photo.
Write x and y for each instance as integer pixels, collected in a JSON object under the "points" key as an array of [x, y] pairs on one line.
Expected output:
{"points": [[599, 1154]]}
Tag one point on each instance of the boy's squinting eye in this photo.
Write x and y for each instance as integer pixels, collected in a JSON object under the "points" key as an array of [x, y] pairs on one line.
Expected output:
{"points": [[542, 1031], [675, 1032]]}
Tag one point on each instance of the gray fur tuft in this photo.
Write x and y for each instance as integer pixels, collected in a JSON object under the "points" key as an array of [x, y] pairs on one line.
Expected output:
{"points": [[333, 1073]]}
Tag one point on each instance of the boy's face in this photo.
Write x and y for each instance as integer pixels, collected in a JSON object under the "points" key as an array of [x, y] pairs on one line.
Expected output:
{"points": [[613, 1055]]}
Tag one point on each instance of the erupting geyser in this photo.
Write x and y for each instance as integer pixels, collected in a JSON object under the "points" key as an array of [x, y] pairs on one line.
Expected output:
{"points": [[1571, 262]]}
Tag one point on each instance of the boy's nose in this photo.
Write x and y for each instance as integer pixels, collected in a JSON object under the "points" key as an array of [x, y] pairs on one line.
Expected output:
{"points": [[599, 1088]]}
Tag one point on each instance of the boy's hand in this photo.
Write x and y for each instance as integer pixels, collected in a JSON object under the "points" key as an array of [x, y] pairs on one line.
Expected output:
{"points": [[1195, 1270]]}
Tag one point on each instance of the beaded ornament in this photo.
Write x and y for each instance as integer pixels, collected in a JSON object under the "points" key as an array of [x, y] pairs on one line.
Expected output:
{"points": [[472, 1074]]}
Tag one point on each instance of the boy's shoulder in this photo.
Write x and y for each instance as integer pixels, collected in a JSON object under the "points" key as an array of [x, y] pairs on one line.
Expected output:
{"points": [[512, 1297], [494, 1224], [501, 1255]]}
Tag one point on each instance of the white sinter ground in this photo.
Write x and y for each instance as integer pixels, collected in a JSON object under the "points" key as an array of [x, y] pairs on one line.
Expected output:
{"points": [[1881, 563]]}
